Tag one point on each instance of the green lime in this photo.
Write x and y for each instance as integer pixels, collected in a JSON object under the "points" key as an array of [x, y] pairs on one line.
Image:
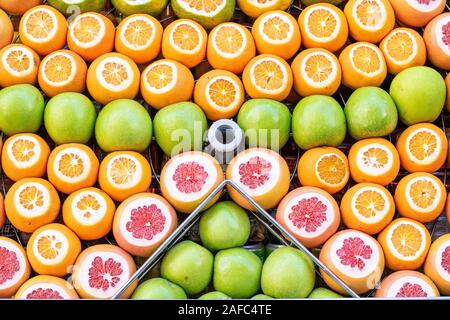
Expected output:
{"points": [[209, 13], [129, 7], [70, 7]]}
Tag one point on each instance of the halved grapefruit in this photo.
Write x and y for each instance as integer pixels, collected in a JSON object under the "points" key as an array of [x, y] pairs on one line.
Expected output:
{"points": [[437, 39], [188, 178], [417, 13], [406, 284], [437, 264], [46, 288], [14, 267], [356, 258], [310, 214], [262, 173], [102, 270], [143, 222]]}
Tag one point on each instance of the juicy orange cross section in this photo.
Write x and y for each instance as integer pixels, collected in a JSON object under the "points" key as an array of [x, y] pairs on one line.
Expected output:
{"points": [[375, 158], [48, 247], [369, 203], [400, 46], [204, 5], [122, 170], [138, 32], [23, 150], [39, 24], [186, 37], [88, 203], [160, 76], [318, 68], [369, 13], [115, 73], [331, 169], [71, 165], [366, 59], [58, 68], [423, 193], [18, 60], [276, 28], [268, 75], [322, 23], [31, 197], [407, 240], [222, 92], [87, 29], [229, 39], [423, 144]]}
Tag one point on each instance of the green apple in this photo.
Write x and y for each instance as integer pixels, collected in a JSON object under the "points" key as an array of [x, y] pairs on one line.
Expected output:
{"points": [[123, 125], [129, 7], [266, 123], [370, 112], [261, 297], [224, 225], [158, 289], [180, 127], [214, 295], [288, 273], [70, 7], [419, 94], [318, 121], [70, 118], [189, 265], [221, 12], [324, 293], [21, 109], [237, 273]]}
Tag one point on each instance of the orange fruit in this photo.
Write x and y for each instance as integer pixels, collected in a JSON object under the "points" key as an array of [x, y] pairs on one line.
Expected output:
{"points": [[255, 8], [422, 147], [369, 20], [2, 211], [310, 214], [143, 222], [403, 48], [44, 29], [230, 47], [19, 64], [184, 41], [405, 244], [437, 264], [6, 29], [166, 82], [406, 284], [355, 257], [62, 71], [374, 160], [113, 76], [323, 26], [188, 178], [25, 156], [325, 168], [89, 213], [52, 250], [417, 13], [447, 208], [277, 32], [362, 65], [18, 7], [139, 37], [437, 40], [91, 35], [316, 71], [367, 207], [72, 167], [420, 196], [31, 203], [102, 270], [14, 267], [220, 94], [123, 174], [46, 287], [447, 83], [262, 173], [267, 76]]}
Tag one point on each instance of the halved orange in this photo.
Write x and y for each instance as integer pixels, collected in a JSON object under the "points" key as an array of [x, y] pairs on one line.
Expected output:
{"points": [[89, 213], [310, 214], [139, 37], [406, 284], [374, 160], [255, 8], [31, 203], [102, 270], [6, 29], [44, 29], [323, 26], [405, 244], [53, 249], [25, 155], [417, 13], [403, 48], [268, 76], [184, 41], [437, 264], [420, 196], [72, 167], [422, 147], [123, 174], [369, 20], [367, 207], [220, 94], [230, 47], [437, 40], [91, 35], [19, 64], [14, 267], [325, 168], [188, 178], [362, 65], [62, 71], [2, 211], [165, 82], [47, 288], [316, 71], [277, 32], [113, 76]]}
